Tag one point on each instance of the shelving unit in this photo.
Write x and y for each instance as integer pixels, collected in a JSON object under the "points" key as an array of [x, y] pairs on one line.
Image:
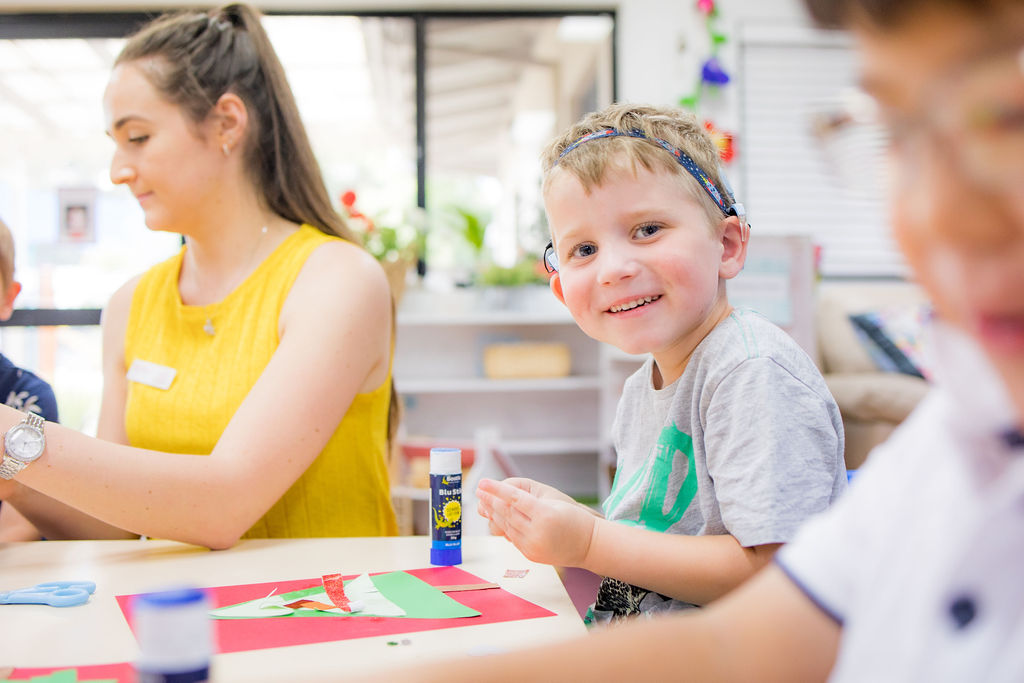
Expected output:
{"points": [[557, 430], [550, 427]]}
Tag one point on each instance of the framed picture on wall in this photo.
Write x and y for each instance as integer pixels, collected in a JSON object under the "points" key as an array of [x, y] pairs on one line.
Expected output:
{"points": [[76, 214]]}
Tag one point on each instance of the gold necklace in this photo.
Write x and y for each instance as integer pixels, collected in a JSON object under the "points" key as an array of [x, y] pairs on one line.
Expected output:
{"points": [[208, 327]]}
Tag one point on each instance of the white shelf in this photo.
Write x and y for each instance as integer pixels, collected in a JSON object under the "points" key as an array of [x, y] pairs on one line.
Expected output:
{"points": [[527, 447], [410, 492], [474, 385], [483, 318], [616, 355], [550, 426]]}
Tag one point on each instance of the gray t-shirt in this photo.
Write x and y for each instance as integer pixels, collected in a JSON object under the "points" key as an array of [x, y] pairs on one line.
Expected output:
{"points": [[748, 442]]}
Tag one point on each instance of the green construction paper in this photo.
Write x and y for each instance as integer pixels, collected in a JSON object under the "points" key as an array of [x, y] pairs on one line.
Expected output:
{"points": [[418, 598], [65, 676]]}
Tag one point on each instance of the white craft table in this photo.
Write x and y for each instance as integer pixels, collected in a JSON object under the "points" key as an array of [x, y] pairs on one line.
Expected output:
{"points": [[96, 633]]}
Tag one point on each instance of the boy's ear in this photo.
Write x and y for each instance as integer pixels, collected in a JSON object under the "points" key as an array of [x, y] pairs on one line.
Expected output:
{"points": [[556, 287], [7, 300], [734, 247]]}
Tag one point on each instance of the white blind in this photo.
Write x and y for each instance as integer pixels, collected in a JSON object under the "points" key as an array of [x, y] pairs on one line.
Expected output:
{"points": [[788, 186]]}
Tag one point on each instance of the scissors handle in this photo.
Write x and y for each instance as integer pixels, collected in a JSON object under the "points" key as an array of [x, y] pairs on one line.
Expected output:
{"points": [[52, 593], [87, 586]]}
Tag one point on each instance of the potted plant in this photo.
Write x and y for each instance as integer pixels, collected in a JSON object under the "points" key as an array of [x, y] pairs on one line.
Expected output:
{"points": [[396, 248]]}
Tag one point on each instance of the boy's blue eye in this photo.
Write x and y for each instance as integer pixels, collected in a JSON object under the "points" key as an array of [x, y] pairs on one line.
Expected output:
{"points": [[584, 250], [138, 139], [647, 230]]}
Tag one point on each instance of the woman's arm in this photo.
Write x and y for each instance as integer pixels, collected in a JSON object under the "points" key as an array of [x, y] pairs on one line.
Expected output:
{"points": [[15, 527], [53, 519], [335, 331]]}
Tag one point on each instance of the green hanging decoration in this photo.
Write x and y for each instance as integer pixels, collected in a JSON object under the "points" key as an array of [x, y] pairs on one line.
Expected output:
{"points": [[712, 73]]}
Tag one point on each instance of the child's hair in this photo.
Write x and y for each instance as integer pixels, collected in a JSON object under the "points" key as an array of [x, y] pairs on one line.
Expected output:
{"points": [[193, 58], [6, 256], [886, 13], [639, 130]]}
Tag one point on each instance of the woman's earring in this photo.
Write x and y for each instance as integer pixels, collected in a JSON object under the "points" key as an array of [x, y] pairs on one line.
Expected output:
{"points": [[224, 148]]}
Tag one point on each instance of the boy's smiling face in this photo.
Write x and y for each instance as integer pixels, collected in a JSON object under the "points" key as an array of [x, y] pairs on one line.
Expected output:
{"points": [[639, 266]]}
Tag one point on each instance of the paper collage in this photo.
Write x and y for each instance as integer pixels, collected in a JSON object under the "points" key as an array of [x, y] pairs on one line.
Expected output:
{"points": [[257, 616], [395, 594]]}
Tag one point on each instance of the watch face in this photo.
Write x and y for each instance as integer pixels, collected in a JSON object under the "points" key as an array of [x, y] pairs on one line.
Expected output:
{"points": [[24, 443]]}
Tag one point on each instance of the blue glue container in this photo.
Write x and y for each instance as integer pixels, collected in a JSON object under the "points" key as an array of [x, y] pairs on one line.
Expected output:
{"points": [[175, 636], [445, 506]]}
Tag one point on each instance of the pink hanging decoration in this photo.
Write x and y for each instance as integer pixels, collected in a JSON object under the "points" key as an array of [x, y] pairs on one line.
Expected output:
{"points": [[706, 6]]}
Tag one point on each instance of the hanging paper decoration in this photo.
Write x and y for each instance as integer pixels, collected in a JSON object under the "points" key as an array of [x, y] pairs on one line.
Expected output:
{"points": [[723, 140], [712, 76], [712, 72]]}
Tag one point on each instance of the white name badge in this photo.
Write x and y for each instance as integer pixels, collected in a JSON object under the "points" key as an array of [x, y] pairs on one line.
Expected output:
{"points": [[151, 374]]}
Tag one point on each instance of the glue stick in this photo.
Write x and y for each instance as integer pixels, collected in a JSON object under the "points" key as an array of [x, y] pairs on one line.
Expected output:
{"points": [[445, 506]]}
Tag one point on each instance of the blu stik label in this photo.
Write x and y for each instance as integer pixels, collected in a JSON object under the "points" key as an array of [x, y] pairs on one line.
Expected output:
{"points": [[446, 510]]}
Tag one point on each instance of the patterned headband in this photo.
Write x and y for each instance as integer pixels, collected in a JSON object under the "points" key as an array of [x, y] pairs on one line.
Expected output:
{"points": [[680, 156], [736, 209]]}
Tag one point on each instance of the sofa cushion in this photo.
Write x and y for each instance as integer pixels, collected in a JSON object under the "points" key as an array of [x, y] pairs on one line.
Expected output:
{"points": [[894, 338], [840, 348], [885, 396]]}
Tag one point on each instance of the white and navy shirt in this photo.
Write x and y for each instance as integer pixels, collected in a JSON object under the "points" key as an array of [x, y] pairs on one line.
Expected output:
{"points": [[922, 561]]}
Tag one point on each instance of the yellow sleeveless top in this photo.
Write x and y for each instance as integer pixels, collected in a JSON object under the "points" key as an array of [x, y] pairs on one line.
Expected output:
{"points": [[345, 491]]}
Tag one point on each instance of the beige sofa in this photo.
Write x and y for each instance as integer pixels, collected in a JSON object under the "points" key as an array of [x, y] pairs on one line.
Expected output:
{"points": [[872, 401]]}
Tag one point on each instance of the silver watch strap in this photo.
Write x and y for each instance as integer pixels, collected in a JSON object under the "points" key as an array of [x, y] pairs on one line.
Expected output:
{"points": [[34, 420], [11, 466]]}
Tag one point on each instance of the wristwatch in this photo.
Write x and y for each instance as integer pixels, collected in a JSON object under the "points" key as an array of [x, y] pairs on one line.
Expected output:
{"points": [[23, 443]]}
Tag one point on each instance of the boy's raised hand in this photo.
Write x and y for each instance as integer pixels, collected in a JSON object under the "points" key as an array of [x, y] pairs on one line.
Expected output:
{"points": [[543, 523]]}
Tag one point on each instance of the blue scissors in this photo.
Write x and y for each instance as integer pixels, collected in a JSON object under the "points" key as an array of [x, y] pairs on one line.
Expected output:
{"points": [[52, 593]]}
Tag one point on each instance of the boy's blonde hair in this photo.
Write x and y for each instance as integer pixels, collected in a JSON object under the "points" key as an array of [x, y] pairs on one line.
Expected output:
{"points": [[591, 160], [6, 256]]}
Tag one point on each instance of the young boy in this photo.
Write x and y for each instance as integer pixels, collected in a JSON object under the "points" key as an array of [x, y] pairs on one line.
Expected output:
{"points": [[18, 388], [727, 438], [916, 573]]}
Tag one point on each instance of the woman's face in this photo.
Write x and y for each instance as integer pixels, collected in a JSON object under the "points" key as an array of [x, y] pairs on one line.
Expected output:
{"points": [[172, 166]]}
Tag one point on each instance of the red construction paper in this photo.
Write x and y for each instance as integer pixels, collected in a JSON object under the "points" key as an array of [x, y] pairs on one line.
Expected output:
{"points": [[239, 635], [122, 673], [333, 584]]}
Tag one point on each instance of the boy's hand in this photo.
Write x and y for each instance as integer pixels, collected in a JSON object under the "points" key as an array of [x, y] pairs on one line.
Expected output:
{"points": [[532, 487], [544, 524]]}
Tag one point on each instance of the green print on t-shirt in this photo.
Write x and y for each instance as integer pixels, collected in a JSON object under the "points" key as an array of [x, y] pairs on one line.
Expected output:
{"points": [[653, 480]]}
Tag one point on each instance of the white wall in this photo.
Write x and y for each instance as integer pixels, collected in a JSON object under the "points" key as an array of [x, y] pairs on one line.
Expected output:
{"points": [[660, 42]]}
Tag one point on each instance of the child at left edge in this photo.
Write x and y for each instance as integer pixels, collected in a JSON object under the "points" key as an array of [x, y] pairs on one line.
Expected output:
{"points": [[19, 388], [727, 438]]}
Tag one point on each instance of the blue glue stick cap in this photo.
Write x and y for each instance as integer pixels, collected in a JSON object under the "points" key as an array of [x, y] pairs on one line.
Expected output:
{"points": [[446, 556]]}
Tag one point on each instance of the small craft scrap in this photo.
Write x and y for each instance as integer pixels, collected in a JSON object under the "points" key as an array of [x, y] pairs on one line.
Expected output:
{"points": [[334, 585]]}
